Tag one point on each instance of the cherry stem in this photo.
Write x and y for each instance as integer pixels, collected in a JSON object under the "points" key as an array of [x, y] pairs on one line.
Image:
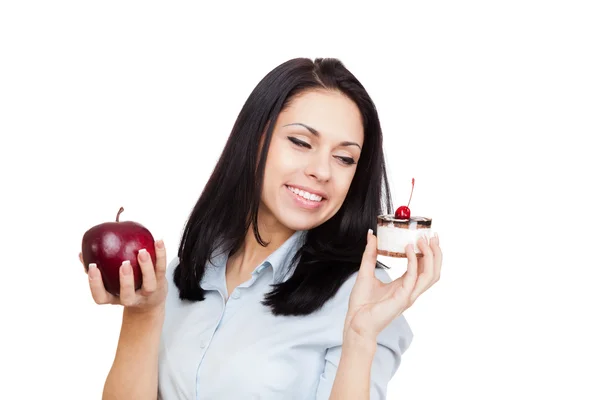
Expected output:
{"points": [[119, 213], [411, 191]]}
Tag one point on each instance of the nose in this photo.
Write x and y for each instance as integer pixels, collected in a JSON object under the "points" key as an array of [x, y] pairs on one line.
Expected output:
{"points": [[319, 168]]}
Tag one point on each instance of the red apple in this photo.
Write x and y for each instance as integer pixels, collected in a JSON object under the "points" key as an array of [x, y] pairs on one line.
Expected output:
{"points": [[110, 243]]}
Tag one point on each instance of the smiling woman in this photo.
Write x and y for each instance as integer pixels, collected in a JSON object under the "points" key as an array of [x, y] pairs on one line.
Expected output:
{"points": [[294, 130], [275, 291]]}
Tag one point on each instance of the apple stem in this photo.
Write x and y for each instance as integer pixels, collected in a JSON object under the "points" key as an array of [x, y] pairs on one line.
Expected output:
{"points": [[411, 191], [119, 213]]}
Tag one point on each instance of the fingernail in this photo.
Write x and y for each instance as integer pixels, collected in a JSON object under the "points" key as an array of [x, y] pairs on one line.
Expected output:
{"points": [[160, 244], [436, 236], [91, 267], [370, 232], [126, 267], [143, 255]]}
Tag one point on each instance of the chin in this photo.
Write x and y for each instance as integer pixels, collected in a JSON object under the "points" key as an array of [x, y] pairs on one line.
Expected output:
{"points": [[300, 222]]}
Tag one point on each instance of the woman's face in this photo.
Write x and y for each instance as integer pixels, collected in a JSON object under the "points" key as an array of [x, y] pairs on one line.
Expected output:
{"points": [[312, 159]]}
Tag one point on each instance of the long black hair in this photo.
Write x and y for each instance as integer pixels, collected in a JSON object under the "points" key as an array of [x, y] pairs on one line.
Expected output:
{"points": [[229, 203]]}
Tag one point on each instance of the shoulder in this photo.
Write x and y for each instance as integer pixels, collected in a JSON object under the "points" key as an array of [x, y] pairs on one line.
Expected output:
{"points": [[171, 265], [172, 289]]}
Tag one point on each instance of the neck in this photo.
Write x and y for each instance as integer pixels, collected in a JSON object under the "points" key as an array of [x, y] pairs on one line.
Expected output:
{"points": [[252, 253]]}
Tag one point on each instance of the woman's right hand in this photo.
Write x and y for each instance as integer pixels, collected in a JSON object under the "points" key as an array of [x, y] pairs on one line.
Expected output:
{"points": [[150, 297]]}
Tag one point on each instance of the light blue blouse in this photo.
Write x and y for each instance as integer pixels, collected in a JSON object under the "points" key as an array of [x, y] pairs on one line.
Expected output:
{"points": [[236, 349]]}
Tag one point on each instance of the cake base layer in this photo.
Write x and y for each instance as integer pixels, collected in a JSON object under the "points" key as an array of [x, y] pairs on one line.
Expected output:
{"points": [[396, 254]]}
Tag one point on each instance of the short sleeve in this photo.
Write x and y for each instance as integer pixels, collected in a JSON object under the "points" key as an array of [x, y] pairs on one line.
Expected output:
{"points": [[392, 342]]}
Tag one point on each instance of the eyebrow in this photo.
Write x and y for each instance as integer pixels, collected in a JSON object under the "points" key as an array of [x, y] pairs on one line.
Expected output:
{"points": [[317, 134]]}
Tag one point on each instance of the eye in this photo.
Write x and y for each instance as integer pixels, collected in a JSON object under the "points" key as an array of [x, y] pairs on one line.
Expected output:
{"points": [[346, 160], [299, 142]]}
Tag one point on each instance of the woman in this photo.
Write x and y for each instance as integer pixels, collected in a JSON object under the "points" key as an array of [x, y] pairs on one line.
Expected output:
{"points": [[276, 292]]}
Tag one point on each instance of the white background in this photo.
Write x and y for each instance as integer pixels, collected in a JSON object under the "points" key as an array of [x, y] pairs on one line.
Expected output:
{"points": [[491, 106]]}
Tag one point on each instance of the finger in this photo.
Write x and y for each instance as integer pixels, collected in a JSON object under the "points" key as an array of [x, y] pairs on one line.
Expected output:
{"points": [[127, 291], [148, 274], [99, 293], [161, 258], [369, 258], [424, 246], [85, 269], [410, 276], [425, 279], [437, 257]]}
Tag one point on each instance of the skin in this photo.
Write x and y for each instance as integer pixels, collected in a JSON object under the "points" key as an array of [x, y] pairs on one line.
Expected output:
{"points": [[324, 163]]}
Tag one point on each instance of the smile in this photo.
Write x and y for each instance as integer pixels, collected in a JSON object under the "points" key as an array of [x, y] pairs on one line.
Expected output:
{"points": [[305, 195]]}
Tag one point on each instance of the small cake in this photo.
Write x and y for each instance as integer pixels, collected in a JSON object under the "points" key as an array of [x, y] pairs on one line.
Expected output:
{"points": [[394, 232]]}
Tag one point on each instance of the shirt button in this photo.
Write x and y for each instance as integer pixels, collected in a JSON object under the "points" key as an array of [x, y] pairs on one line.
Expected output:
{"points": [[202, 344], [235, 294]]}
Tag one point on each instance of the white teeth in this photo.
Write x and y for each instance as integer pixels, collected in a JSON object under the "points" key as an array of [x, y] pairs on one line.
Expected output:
{"points": [[306, 195]]}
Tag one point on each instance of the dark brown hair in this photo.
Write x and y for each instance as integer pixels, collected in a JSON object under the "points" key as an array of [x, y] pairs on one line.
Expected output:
{"points": [[333, 250]]}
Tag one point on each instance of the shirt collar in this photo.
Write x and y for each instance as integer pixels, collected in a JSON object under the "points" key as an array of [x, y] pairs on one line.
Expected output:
{"points": [[280, 260]]}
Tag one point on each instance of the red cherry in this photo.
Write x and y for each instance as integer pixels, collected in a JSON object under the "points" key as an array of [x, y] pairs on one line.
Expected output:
{"points": [[403, 212]]}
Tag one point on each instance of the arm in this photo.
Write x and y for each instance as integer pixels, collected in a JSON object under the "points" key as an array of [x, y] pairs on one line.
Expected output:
{"points": [[143, 318], [356, 366], [353, 377], [137, 351]]}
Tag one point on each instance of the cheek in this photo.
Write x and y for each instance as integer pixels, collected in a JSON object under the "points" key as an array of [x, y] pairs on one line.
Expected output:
{"points": [[281, 164], [282, 161], [343, 182]]}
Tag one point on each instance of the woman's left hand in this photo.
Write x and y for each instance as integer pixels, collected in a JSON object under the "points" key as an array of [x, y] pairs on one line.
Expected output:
{"points": [[374, 304]]}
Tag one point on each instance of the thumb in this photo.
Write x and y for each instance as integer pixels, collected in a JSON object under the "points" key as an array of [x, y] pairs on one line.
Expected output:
{"points": [[369, 258]]}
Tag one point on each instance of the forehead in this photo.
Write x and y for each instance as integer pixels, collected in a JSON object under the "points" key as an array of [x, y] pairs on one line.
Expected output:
{"points": [[329, 112]]}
